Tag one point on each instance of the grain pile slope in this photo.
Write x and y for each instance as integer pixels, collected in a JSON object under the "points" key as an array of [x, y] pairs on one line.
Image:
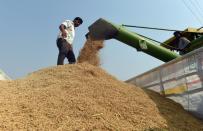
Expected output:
{"points": [[83, 97]]}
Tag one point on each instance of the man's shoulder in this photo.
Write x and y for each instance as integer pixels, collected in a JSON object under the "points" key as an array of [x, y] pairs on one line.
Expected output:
{"points": [[69, 21]]}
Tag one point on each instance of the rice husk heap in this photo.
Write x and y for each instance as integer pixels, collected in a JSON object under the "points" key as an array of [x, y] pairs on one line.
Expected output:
{"points": [[83, 96]]}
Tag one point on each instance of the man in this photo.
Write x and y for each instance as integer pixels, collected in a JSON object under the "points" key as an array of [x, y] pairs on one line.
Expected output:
{"points": [[181, 42], [65, 40]]}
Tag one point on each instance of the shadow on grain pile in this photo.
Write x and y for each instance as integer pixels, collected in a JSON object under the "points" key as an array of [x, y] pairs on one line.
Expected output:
{"points": [[173, 112], [85, 97]]}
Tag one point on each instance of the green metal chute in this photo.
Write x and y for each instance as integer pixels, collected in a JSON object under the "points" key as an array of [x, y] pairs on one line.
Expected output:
{"points": [[102, 29]]}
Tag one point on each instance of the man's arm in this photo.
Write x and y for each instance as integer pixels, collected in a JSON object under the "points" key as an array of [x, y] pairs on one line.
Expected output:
{"points": [[62, 28]]}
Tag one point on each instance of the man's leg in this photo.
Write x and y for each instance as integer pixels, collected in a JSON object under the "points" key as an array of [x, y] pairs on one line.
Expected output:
{"points": [[61, 44], [71, 57], [61, 57]]}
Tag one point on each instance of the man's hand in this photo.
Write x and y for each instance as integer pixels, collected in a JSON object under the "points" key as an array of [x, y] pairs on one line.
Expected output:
{"points": [[62, 29], [64, 34]]}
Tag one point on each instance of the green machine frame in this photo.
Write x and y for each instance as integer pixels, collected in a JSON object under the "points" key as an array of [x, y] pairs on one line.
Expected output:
{"points": [[102, 29]]}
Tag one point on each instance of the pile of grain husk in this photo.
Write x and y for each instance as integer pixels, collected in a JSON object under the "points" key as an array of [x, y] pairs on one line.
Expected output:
{"points": [[85, 97], [90, 52]]}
